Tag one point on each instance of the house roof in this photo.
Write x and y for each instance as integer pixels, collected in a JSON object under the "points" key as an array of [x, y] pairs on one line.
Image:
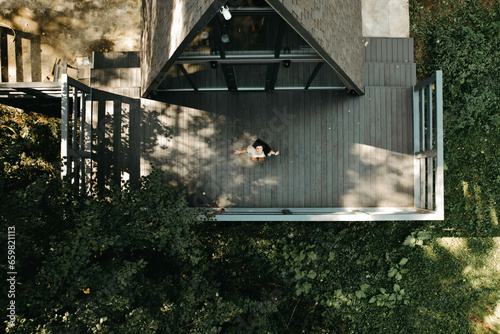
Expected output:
{"points": [[324, 34]]}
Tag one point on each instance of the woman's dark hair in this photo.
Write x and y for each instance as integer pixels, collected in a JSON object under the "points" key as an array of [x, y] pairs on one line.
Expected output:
{"points": [[260, 142]]}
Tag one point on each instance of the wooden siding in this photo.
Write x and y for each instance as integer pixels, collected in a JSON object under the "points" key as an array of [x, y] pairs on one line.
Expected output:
{"points": [[336, 150]]}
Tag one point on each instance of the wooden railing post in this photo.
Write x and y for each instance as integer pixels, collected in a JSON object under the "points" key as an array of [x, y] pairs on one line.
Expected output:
{"points": [[439, 145], [81, 128], [64, 125]]}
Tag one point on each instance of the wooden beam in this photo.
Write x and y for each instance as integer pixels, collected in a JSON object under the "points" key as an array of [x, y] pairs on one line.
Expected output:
{"points": [[188, 77], [230, 77], [36, 59], [249, 59], [56, 86], [19, 59], [313, 75], [4, 59], [31, 93], [252, 11], [279, 38], [273, 69], [80, 86], [250, 89], [271, 76], [218, 39]]}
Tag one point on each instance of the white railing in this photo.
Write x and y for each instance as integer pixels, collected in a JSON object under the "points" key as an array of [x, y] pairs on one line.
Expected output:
{"points": [[428, 145], [76, 132]]}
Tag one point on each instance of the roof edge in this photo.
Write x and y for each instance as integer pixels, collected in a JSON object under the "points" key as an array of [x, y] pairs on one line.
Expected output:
{"points": [[212, 10], [283, 11]]}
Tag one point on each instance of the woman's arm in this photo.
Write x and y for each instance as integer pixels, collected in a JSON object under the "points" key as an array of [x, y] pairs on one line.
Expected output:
{"points": [[240, 151], [274, 153]]}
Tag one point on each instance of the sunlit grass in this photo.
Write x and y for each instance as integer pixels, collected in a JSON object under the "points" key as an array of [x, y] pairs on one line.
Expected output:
{"points": [[462, 280]]}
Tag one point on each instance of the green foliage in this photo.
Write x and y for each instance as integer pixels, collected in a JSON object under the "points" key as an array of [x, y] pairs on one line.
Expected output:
{"points": [[137, 259], [461, 38], [416, 239], [29, 146]]}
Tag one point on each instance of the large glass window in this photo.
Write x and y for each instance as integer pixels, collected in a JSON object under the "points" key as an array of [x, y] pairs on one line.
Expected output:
{"points": [[254, 50]]}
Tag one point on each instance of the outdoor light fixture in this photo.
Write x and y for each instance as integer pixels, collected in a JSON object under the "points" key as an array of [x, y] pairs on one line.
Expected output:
{"points": [[286, 63], [224, 38], [225, 11]]}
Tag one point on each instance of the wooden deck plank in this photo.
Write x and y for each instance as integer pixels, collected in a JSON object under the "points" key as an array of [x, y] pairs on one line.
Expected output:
{"points": [[335, 148], [297, 161], [328, 99], [284, 124], [254, 171], [340, 152], [370, 134], [266, 179], [322, 145], [350, 176], [345, 140], [378, 49], [378, 144], [319, 157], [279, 127], [363, 148], [355, 146], [395, 50], [223, 151], [300, 135], [232, 132], [307, 153]]}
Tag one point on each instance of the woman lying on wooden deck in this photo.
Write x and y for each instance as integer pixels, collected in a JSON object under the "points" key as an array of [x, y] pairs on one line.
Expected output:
{"points": [[258, 150]]}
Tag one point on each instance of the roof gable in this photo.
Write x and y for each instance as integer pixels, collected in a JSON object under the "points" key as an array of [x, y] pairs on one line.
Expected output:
{"points": [[156, 65]]}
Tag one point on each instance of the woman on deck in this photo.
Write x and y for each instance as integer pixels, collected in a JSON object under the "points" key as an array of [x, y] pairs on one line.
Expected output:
{"points": [[258, 150]]}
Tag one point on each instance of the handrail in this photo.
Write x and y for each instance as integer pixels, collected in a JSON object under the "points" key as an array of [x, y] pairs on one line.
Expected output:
{"points": [[428, 144]]}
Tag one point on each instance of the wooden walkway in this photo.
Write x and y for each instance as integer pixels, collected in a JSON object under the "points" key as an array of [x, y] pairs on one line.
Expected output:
{"points": [[337, 150]]}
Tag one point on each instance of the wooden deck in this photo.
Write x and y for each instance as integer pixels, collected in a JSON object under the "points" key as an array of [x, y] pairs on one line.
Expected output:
{"points": [[337, 150]]}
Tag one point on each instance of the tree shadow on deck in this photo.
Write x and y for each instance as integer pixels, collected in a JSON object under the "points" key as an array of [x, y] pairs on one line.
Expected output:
{"points": [[323, 156]]}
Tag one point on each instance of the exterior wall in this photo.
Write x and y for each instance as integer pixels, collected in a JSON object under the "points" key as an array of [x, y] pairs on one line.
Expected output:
{"points": [[336, 29], [168, 25]]}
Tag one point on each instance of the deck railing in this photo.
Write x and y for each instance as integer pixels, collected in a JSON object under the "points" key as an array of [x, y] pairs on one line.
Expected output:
{"points": [[428, 145], [76, 131], [20, 51]]}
